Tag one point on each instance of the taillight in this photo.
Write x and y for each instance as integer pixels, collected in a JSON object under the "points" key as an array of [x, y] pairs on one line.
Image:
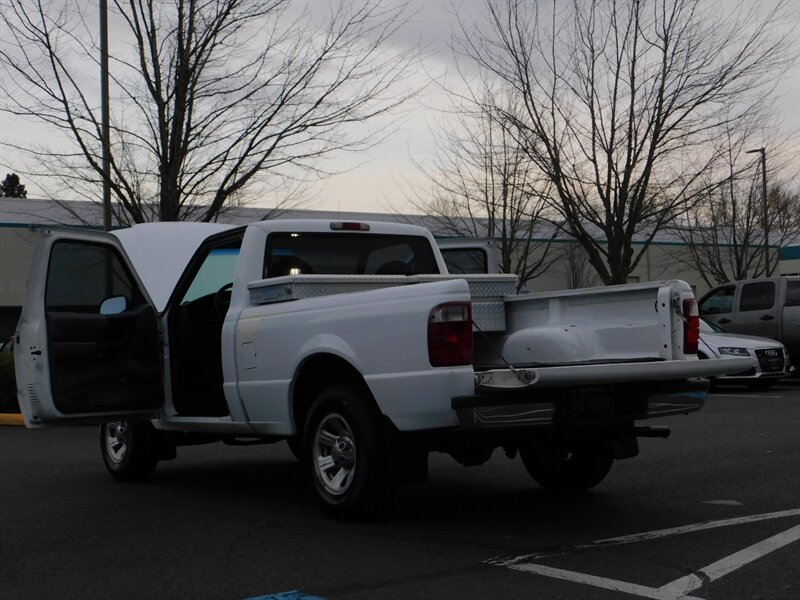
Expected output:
{"points": [[691, 326], [450, 334]]}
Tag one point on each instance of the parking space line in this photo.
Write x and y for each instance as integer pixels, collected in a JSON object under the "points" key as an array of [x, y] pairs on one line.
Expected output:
{"points": [[615, 585], [722, 567], [674, 590], [651, 535], [743, 396]]}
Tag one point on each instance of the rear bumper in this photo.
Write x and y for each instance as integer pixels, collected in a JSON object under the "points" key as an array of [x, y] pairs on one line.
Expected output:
{"points": [[580, 406]]}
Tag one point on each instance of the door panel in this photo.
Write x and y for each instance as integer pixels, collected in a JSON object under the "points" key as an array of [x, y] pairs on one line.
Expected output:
{"points": [[100, 363], [74, 363], [791, 320], [758, 311]]}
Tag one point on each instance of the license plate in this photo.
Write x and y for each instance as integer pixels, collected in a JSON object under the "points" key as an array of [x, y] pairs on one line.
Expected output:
{"points": [[603, 402]]}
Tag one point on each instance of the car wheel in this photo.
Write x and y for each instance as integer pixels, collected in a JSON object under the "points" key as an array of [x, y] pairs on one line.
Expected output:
{"points": [[574, 468], [347, 453], [129, 449]]}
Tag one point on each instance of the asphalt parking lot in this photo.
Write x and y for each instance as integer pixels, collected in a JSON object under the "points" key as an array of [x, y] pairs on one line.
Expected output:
{"points": [[711, 512]]}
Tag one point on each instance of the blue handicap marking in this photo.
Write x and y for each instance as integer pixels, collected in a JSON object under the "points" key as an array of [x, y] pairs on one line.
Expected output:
{"points": [[292, 595]]}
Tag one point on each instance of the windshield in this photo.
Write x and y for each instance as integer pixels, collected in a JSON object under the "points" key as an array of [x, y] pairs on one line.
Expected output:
{"points": [[709, 327]]}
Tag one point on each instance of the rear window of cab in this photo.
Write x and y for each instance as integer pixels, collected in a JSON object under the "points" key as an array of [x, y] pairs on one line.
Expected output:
{"points": [[347, 254]]}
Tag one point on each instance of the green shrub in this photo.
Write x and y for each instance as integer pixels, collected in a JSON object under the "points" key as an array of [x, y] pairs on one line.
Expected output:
{"points": [[8, 384]]}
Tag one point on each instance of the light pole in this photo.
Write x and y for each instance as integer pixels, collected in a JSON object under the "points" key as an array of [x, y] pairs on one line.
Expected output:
{"points": [[763, 153], [105, 116]]}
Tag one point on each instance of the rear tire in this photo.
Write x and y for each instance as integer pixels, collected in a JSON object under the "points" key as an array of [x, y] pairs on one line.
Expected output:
{"points": [[568, 469], [346, 452], [129, 449]]}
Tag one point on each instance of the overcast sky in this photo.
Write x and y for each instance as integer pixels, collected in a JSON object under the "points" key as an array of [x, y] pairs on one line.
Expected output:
{"points": [[378, 183], [374, 182]]}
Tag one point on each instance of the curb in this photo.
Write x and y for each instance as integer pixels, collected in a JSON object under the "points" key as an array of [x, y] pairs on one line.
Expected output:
{"points": [[11, 419]]}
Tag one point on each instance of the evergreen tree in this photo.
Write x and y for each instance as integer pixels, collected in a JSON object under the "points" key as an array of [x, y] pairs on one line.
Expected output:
{"points": [[10, 187]]}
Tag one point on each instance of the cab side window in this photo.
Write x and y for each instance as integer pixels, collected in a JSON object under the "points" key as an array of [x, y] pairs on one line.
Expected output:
{"points": [[218, 269], [464, 261], [82, 275], [757, 296], [719, 302], [793, 293]]}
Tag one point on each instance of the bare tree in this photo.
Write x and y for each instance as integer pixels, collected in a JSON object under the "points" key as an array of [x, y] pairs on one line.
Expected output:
{"points": [[578, 271], [723, 234], [214, 102], [482, 184], [621, 104]]}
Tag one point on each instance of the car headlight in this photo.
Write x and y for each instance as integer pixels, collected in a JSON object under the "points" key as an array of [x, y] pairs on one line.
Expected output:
{"points": [[734, 351]]}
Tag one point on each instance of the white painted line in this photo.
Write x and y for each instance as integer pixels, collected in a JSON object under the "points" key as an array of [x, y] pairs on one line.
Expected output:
{"points": [[602, 582], [649, 535], [723, 502], [675, 590], [743, 396], [722, 567], [659, 533]]}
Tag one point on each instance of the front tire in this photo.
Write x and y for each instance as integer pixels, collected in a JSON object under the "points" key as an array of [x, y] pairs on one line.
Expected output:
{"points": [[568, 469], [129, 449], [346, 452]]}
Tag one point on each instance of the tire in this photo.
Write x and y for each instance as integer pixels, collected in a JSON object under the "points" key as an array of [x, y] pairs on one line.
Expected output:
{"points": [[347, 453], [572, 469], [129, 449]]}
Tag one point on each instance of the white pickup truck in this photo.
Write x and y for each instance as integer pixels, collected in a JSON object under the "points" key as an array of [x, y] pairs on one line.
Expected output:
{"points": [[350, 341]]}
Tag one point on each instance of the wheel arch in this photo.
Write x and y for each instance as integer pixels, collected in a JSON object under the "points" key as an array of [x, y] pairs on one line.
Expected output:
{"points": [[315, 374]]}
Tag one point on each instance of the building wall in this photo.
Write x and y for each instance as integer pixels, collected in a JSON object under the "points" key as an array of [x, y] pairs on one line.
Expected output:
{"points": [[661, 261], [16, 249]]}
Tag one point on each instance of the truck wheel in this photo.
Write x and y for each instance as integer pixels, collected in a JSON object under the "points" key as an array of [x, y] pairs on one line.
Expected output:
{"points": [[129, 449], [347, 453], [568, 469]]}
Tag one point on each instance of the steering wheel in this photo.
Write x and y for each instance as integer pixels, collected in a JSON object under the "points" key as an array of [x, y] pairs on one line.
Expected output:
{"points": [[222, 300]]}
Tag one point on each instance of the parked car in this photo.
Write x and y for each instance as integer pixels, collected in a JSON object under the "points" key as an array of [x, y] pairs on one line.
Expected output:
{"points": [[768, 307], [770, 358], [8, 345]]}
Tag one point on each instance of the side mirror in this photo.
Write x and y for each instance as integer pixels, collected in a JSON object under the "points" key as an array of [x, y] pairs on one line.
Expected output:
{"points": [[114, 305]]}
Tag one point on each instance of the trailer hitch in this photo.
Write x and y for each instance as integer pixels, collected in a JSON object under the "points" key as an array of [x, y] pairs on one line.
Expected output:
{"points": [[652, 432]]}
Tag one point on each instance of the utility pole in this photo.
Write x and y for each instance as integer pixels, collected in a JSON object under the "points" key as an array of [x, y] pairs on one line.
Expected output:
{"points": [[763, 153], [105, 115]]}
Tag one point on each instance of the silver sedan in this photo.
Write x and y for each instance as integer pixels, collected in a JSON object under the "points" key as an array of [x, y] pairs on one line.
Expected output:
{"points": [[770, 360]]}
